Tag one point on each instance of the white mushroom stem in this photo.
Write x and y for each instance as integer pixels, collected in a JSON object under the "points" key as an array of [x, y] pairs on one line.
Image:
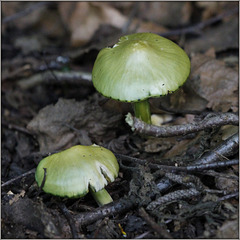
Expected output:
{"points": [[102, 197]]}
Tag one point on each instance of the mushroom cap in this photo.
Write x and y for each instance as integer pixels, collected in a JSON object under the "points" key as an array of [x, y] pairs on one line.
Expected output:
{"points": [[71, 172], [140, 66]]}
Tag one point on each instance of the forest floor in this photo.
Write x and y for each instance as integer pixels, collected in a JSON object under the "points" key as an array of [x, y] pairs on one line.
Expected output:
{"points": [[178, 180]]}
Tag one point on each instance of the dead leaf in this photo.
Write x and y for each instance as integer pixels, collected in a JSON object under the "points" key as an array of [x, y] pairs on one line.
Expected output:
{"points": [[166, 13], [154, 145], [228, 130], [215, 82], [213, 8], [178, 148], [12, 8], [54, 125], [16, 197], [185, 99], [227, 184], [221, 37], [84, 18], [147, 27], [229, 230]]}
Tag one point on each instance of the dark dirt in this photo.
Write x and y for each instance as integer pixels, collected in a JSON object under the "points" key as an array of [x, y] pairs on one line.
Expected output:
{"points": [[49, 104]]}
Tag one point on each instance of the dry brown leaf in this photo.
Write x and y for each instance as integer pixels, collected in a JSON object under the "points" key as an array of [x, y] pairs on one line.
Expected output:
{"points": [[166, 13], [84, 18], [211, 8], [177, 149], [154, 145], [44, 20], [23, 22], [147, 27], [215, 82], [227, 184], [16, 197], [185, 99], [229, 230], [51, 125], [221, 37], [228, 130]]}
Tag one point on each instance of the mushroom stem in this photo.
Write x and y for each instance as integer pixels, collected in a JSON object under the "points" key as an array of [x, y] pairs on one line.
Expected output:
{"points": [[102, 197], [142, 111]]}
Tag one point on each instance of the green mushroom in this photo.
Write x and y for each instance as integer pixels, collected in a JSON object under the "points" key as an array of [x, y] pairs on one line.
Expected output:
{"points": [[74, 172], [138, 67]]}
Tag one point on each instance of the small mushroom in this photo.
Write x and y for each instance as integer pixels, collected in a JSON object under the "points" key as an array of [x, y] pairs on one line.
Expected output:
{"points": [[73, 172], [138, 67]]}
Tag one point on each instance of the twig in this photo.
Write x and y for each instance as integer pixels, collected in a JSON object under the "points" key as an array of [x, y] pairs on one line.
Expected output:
{"points": [[219, 174], [173, 196], [196, 29], [169, 131], [165, 183], [69, 218], [232, 195], [190, 168], [193, 168], [32, 171], [17, 128], [73, 77], [156, 227], [25, 12], [113, 208], [143, 235], [189, 181], [227, 148], [133, 12]]}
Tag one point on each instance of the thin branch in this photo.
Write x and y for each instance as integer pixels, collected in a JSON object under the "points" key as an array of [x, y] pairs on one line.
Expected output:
{"points": [[143, 235], [232, 195], [132, 14], [189, 181], [219, 174], [113, 208], [217, 120], [25, 12], [156, 227], [32, 171], [72, 77], [70, 220], [190, 168], [173, 196], [196, 29], [227, 148], [215, 165], [17, 128]]}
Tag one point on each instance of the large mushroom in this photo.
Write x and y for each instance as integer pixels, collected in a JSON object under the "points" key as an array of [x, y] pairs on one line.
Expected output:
{"points": [[73, 172], [138, 67]]}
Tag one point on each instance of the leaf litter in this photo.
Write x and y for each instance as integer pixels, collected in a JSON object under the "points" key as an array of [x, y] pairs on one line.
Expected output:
{"points": [[51, 115]]}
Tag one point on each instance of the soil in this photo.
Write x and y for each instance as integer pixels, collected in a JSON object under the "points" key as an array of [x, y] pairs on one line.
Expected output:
{"points": [[49, 104]]}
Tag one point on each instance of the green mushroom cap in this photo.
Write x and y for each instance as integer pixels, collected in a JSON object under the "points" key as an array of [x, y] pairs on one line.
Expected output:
{"points": [[71, 172], [140, 66]]}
